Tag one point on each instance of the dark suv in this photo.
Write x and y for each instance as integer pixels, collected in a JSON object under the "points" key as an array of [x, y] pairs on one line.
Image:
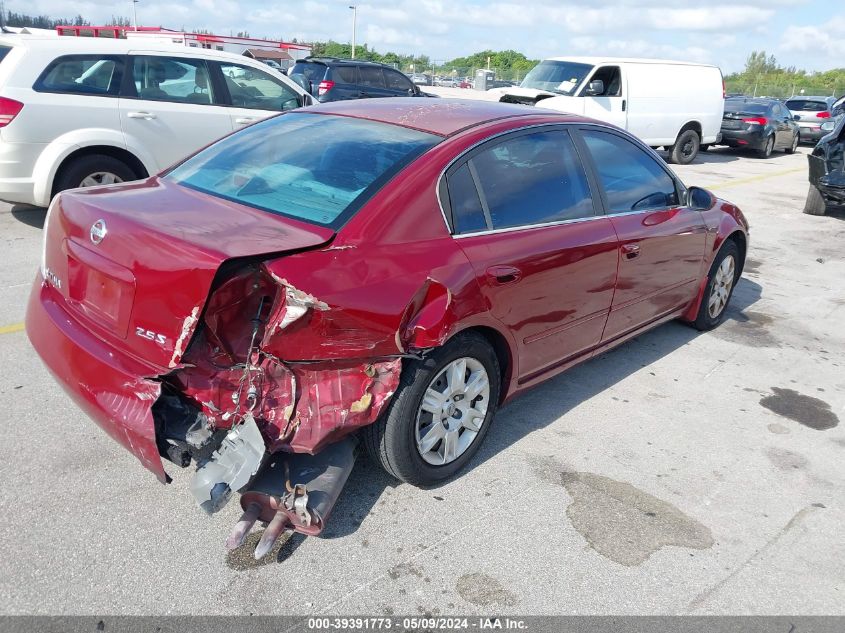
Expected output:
{"points": [[332, 79]]}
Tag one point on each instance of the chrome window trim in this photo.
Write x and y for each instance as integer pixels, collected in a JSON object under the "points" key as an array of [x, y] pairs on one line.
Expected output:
{"points": [[510, 229]]}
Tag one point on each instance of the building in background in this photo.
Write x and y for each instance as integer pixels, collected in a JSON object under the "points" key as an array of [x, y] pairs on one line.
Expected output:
{"points": [[283, 53]]}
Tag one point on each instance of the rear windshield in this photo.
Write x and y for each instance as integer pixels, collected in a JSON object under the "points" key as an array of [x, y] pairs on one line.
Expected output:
{"points": [[311, 167], [558, 77], [806, 105], [741, 107], [313, 72], [4, 50]]}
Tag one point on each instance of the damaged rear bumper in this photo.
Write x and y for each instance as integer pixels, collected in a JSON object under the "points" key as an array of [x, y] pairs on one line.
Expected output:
{"points": [[106, 384]]}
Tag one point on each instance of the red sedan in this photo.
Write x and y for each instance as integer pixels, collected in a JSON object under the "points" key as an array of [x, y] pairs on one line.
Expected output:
{"points": [[388, 270]]}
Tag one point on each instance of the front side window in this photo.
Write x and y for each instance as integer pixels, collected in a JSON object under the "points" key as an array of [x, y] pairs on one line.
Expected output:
{"points": [[526, 180], [632, 179], [253, 88], [173, 79], [312, 167], [397, 81], [83, 74]]}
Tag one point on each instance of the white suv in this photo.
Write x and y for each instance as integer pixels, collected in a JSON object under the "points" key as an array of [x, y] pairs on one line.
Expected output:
{"points": [[79, 111]]}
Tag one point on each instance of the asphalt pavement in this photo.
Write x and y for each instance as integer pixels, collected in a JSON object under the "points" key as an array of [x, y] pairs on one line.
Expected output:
{"points": [[681, 473]]}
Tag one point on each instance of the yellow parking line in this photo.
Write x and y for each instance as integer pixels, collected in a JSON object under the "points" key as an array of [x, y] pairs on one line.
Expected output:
{"points": [[14, 327], [742, 181]]}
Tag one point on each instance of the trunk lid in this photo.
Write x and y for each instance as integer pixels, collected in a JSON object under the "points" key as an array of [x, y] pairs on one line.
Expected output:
{"points": [[135, 263]]}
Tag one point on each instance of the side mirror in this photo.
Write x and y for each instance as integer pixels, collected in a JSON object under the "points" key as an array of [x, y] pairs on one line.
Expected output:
{"points": [[797, 117], [596, 87], [828, 126], [699, 199], [302, 81]]}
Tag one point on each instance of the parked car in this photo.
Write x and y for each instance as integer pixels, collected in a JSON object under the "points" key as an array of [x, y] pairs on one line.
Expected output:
{"points": [[762, 125], [334, 79], [365, 266], [81, 111], [446, 82], [676, 105], [420, 79], [272, 63], [827, 167], [810, 112]]}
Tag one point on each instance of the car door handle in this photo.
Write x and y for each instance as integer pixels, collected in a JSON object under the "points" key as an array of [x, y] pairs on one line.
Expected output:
{"points": [[140, 115], [245, 120], [631, 251], [504, 274]]}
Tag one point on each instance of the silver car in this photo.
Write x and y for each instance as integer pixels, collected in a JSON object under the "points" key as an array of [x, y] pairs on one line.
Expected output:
{"points": [[811, 112]]}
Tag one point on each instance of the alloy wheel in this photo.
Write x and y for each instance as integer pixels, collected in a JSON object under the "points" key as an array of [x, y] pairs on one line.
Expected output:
{"points": [[452, 411], [100, 178], [720, 291]]}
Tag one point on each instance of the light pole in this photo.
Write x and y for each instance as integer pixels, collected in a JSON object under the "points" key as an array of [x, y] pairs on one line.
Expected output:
{"points": [[354, 20], [135, 15]]}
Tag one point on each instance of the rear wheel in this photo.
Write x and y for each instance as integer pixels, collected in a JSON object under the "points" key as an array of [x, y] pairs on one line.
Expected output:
{"points": [[791, 149], [723, 275], [815, 204], [440, 412], [91, 171], [768, 148], [685, 149]]}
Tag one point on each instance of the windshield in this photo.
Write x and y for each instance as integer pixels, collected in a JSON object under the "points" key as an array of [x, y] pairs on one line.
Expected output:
{"points": [[311, 167], [559, 77], [741, 107]]}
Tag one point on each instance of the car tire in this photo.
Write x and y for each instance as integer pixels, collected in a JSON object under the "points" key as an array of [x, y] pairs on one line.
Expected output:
{"points": [[792, 148], [393, 441], [815, 204], [768, 148], [96, 169], [685, 149], [721, 281]]}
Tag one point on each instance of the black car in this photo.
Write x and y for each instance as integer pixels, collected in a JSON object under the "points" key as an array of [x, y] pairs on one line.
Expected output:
{"points": [[827, 171], [762, 125], [333, 79]]}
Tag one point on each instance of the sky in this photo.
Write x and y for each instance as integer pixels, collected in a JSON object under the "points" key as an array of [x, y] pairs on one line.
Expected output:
{"points": [[808, 34]]}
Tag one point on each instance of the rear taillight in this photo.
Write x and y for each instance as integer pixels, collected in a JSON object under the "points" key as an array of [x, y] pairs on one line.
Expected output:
{"points": [[324, 87], [756, 120], [823, 115], [9, 109]]}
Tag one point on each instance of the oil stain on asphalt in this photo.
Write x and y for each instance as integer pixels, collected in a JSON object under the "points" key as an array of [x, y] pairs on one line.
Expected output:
{"points": [[484, 591], [625, 524], [811, 412]]}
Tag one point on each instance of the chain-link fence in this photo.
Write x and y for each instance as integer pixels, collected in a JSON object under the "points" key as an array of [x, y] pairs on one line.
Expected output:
{"points": [[781, 90]]}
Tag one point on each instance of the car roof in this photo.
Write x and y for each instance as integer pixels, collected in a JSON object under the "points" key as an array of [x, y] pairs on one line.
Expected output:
{"points": [[71, 45], [811, 98], [443, 117], [595, 61], [760, 100], [341, 60]]}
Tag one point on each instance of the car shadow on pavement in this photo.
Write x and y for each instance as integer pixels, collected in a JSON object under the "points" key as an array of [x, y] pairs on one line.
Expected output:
{"points": [[31, 216], [714, 156]]}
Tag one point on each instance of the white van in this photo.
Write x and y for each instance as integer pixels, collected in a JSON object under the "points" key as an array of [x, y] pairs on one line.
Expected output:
{"points": [[677, 105]]}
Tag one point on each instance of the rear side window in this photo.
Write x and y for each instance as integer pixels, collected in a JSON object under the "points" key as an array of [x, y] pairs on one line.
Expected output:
{"points": [[467, 212], [173, 79], [532, 179], [806, 105], [83, 74], [632, 179], [371, 76], [345, 74], [312, 167]]}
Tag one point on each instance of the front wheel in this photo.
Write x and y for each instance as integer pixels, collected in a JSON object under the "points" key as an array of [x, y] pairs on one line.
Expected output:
{"points": [[440, 412], [815, 204], [723, 275], [685, 149]]}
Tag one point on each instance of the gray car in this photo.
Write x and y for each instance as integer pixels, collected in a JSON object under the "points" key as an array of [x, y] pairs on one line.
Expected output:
{"points": [[811, 112]]}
